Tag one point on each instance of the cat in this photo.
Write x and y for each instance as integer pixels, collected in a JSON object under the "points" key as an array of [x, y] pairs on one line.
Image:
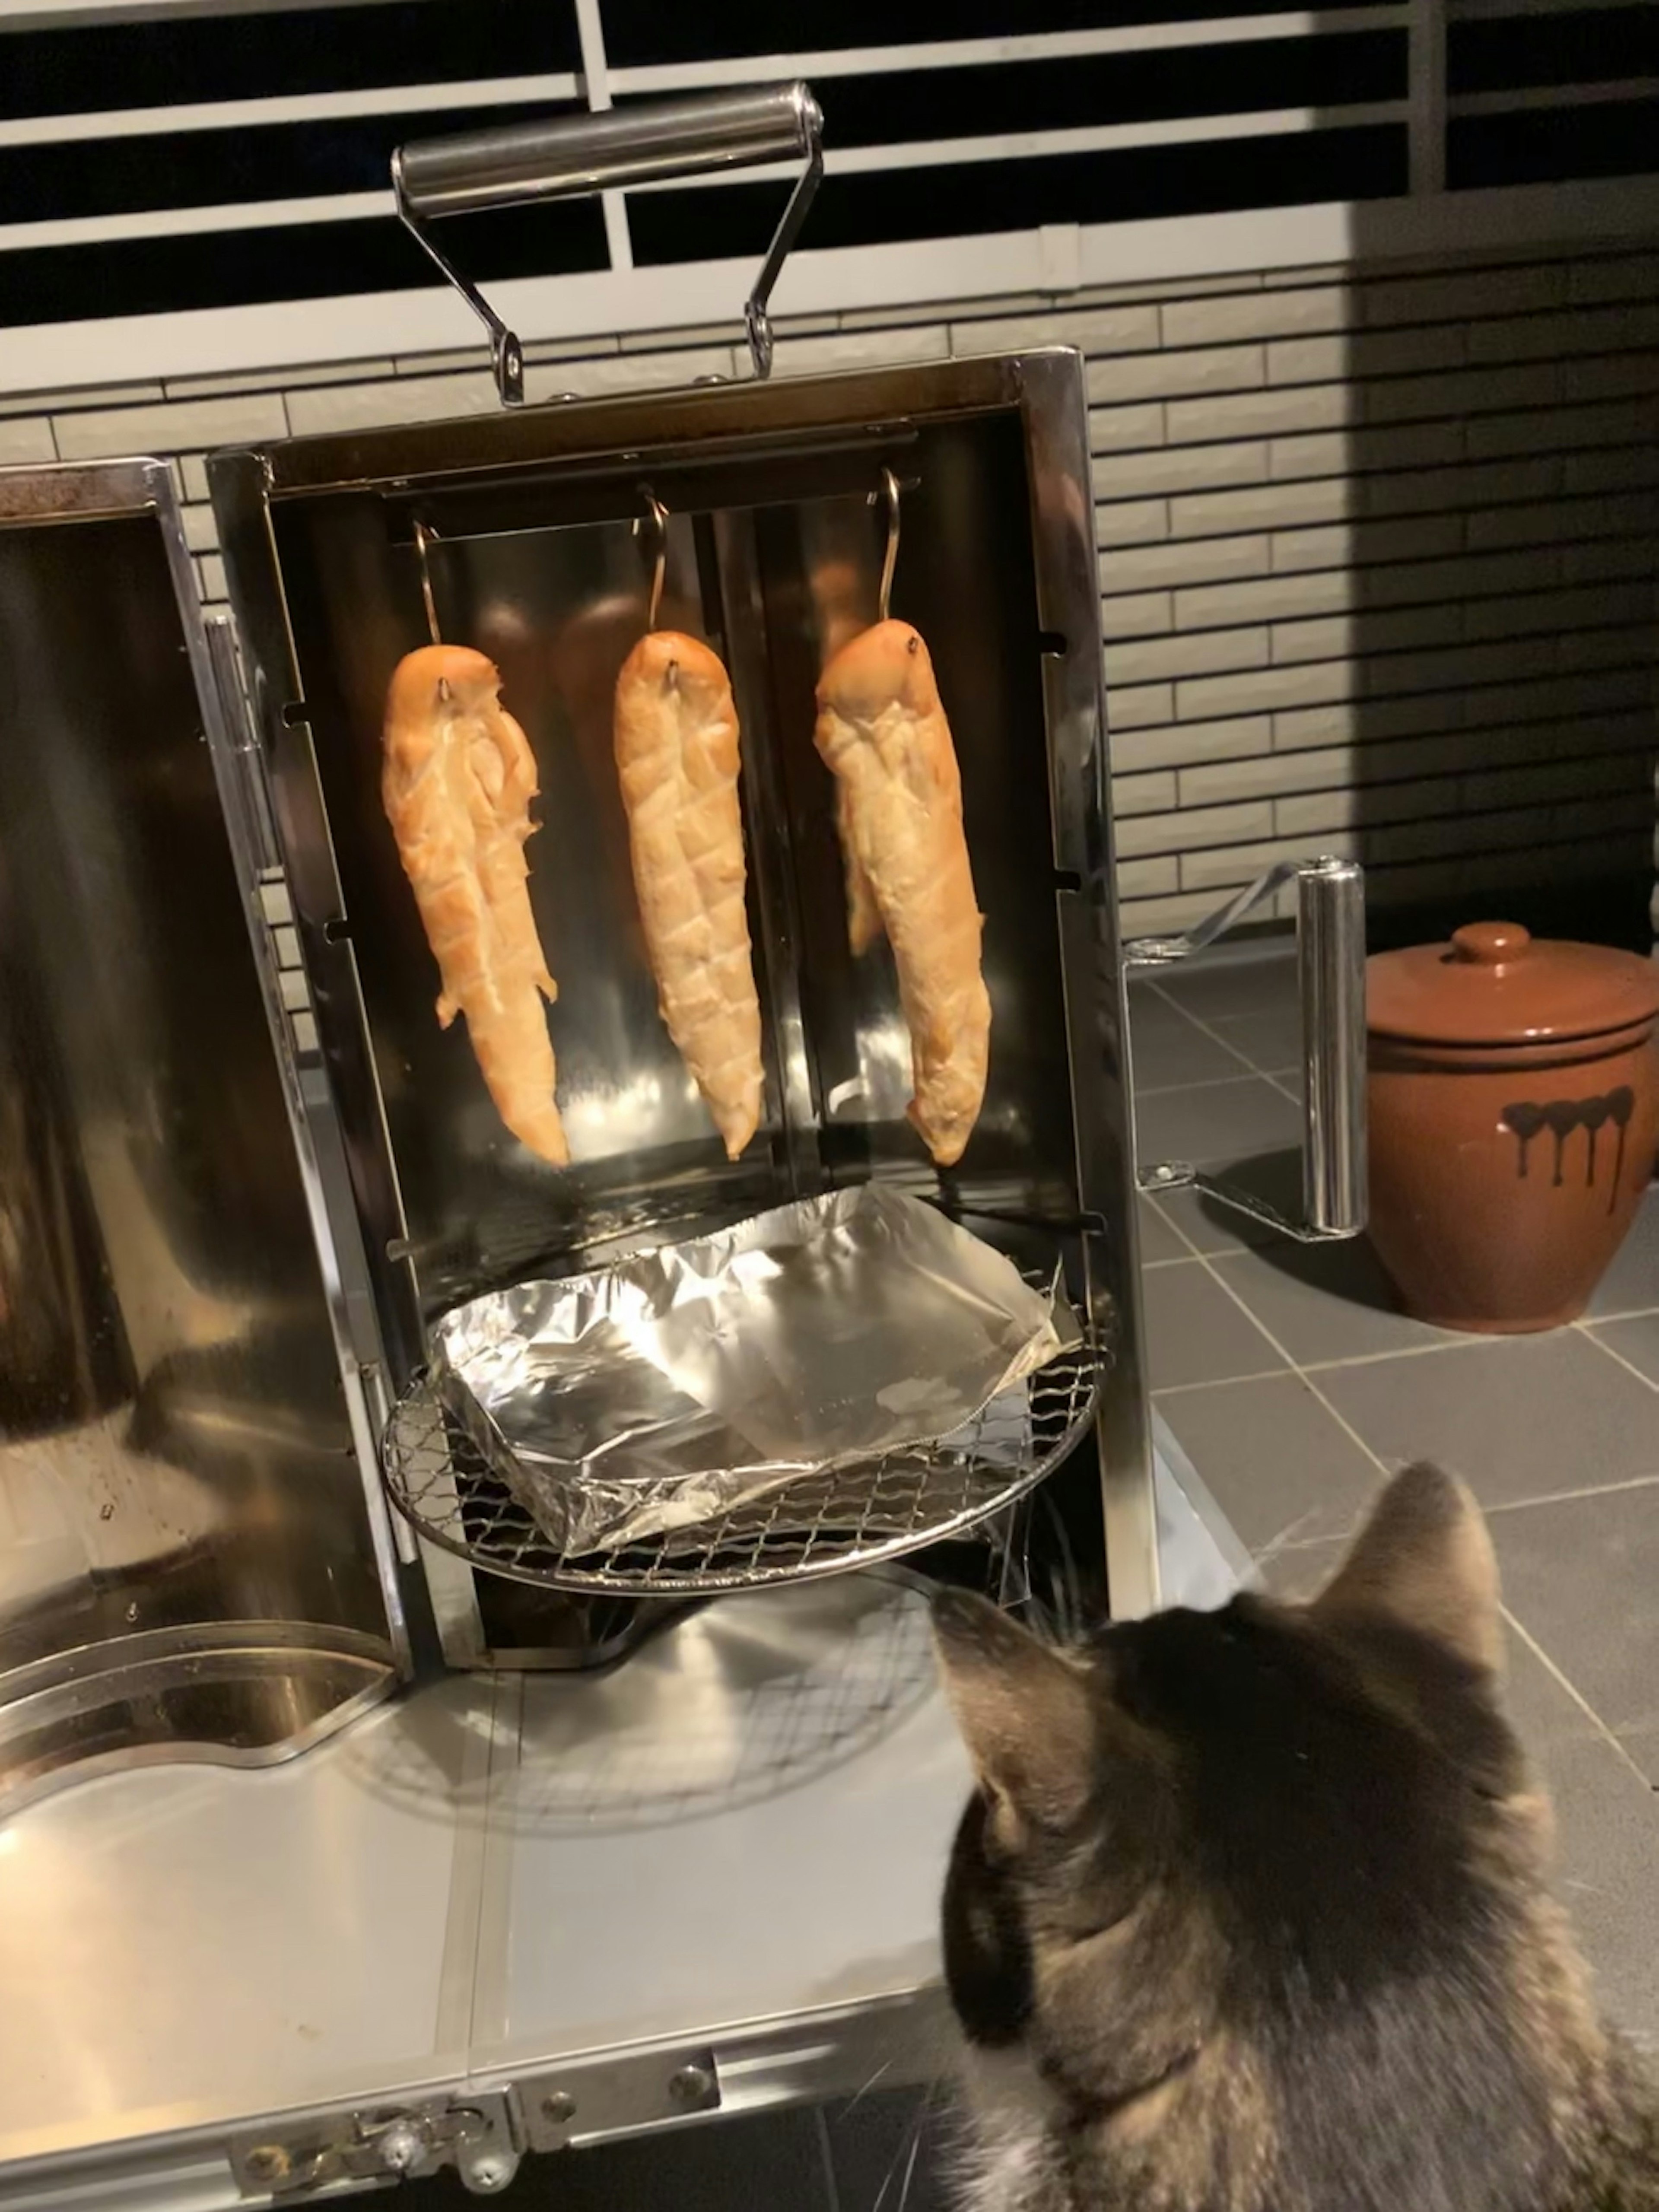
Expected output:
{"points": [[1248, 1911]]}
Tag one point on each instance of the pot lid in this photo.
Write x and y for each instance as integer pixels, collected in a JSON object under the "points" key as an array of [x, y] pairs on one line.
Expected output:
{"points": [[1495, 984]]}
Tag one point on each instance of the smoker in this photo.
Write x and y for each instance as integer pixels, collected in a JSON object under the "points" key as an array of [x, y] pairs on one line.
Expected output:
{"points": [[243, 1173]]}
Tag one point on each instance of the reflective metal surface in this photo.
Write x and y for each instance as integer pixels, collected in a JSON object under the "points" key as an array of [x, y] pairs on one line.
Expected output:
{"points": [[186, 1567], [643, 143], [460, 1494], [1330, 931], [676, 1384], [1330, 936], [562, 1889], [646, 141], [774, 554]]}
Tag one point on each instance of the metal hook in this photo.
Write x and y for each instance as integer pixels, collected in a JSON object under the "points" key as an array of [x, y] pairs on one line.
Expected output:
{"points": [[659, 567], [423, 534], [891, 485]]}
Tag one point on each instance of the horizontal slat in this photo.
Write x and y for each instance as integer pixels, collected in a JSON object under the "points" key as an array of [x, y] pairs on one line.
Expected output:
{"points": [[1573, 97], [831, 63], [642, 34], [200, 58], [487, 94], [1171, 171]]}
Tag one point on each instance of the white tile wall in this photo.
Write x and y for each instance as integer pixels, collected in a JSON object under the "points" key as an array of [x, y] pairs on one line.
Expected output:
{"points": [[1378, 551]]}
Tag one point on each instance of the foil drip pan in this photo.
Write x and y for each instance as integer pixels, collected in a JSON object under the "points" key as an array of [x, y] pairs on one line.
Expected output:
{"points": [[830, 1384]]}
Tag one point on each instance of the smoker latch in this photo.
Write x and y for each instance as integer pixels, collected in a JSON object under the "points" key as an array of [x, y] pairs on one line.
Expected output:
{"points": [[301, 2159]]}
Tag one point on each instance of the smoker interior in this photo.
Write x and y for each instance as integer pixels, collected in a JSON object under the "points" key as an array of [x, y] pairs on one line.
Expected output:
{"points": [[538, 552], [551, 582], [185, 1560]]}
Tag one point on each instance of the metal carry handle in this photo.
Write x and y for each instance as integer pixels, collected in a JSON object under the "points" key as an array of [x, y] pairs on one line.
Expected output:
{"points": [[1330, 939], [477, 169]]}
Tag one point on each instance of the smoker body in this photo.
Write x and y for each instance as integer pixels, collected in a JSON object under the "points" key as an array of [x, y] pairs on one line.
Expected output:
{"points": [[525, 530], [532, 1902]]}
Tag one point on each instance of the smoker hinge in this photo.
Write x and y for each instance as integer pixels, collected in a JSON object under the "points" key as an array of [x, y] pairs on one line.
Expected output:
{"points": [[292, 984], [292, 2162]]}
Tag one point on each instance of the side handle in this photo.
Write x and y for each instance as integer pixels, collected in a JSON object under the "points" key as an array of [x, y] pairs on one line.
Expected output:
{"points": [[1330, 937]]}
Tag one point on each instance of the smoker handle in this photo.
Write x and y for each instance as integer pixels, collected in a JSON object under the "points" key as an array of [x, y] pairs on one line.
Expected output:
{"points": [[1330, 934], [658, 139]]}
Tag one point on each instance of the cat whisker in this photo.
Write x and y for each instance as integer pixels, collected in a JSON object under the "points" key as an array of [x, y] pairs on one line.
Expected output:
{"points": [[885, 2067], [910, 2168]]}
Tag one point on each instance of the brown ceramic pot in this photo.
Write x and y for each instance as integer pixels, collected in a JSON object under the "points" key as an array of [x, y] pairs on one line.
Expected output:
{"points": [[1514, 1100]]}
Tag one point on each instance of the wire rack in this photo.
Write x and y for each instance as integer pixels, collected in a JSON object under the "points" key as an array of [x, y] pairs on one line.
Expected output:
{"points": [[817, 1524]]}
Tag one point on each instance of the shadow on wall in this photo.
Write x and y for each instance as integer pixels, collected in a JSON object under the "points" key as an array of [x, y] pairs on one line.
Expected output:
{"points": [[1501, 530]]}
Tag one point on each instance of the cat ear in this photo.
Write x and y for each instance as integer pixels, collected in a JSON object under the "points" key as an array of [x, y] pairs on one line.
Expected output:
{"points": [[1027, 1715], [1424, 1562]]}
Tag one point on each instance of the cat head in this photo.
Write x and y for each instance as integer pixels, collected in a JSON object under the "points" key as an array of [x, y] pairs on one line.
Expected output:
{"points": [[1241, 1890]]}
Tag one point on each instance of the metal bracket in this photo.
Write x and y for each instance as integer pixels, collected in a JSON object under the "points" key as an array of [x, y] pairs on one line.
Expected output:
{"points": [[617, 2092], [385, 2142], [506, 354], [755, 320], [1330, 933]]}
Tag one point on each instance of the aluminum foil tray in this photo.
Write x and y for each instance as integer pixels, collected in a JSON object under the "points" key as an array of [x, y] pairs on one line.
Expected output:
{"points": [[851, 1515]]}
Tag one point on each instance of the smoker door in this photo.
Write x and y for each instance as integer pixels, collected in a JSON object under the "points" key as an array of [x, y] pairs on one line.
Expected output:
{"points": [[189, 1565], [505, 1914]]}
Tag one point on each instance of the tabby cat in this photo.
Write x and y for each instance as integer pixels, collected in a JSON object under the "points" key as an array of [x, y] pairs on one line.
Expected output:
{"points": [[1249, 1912]]}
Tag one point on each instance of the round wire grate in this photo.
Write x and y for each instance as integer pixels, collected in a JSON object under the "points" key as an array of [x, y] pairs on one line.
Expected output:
{"points": [[817, 1524]]}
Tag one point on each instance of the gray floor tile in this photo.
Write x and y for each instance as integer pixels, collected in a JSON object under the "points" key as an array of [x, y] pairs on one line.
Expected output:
{"points": [[1217, 1123], [1606, 1869], [1196, 1334], [1607, 1823], [1523, 1418], [1269, 1040], [1169, 1051], [1636, 1339], [1543, 1711], [1582, 1578], [1280, 1467], [1300, 1571], [1325, 1302], [1632, 1284], [1157, 1239], [1234, 982]]}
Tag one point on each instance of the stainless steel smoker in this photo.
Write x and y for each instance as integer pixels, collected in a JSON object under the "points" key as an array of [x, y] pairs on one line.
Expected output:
{"points": [[242, 1172]]}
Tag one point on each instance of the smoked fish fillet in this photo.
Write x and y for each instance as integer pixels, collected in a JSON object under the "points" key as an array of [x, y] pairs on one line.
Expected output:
{"points": [[677, 755], [457, 779], [882, 730]]}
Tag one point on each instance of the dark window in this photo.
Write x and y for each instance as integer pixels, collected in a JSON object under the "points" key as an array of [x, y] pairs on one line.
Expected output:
{"points": [[1123, 185]]}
